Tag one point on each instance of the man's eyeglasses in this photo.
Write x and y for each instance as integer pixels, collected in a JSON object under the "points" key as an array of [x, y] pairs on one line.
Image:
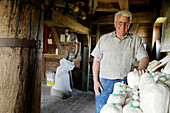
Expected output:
{"points": [[122, 23]]}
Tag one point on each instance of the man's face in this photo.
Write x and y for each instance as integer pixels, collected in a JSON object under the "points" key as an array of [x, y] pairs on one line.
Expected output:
{"points": [[121, 26]]}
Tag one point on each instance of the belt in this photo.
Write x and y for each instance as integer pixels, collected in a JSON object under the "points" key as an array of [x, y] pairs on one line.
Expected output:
{"points": [[122, 79]]}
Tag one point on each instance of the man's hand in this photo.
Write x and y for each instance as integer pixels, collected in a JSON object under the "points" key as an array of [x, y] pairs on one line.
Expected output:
{"points": [[97, 84], [143, 64], [141, 71], [97, 87]]}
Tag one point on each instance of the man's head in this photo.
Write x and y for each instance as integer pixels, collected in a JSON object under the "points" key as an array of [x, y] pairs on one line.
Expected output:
{"points": [[122, 22]]}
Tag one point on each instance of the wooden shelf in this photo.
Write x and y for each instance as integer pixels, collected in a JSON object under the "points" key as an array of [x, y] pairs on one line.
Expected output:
{"points": [[46, 55]]}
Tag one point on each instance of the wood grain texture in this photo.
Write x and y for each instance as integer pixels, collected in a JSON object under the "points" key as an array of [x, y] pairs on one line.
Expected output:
{"points": [[124, 4], [61, 20], [17, 89]]}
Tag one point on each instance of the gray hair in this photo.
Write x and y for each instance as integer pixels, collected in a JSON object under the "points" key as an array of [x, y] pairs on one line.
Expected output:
{"points": [[124, 13]]}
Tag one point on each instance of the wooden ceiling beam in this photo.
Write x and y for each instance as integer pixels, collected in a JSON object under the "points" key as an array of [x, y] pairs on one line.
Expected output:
{"points": [[58, 3], [61, 20], [124, 4], [108, 1], [143, 17], [107, 7]]}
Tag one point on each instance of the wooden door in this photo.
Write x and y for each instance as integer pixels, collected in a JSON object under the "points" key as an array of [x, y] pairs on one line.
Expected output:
{"points": [[20, 60]]}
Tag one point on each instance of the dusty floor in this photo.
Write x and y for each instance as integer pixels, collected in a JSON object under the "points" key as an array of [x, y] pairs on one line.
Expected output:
{"points": [[79, 102]]}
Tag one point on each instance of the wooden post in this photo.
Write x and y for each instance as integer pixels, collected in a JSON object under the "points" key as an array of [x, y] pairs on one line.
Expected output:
{"points": [[20, 67], [85, 70]]}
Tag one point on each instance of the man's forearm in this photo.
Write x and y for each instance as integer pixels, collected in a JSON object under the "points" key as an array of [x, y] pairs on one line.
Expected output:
{"points": [[96, 65], [143, 64]]}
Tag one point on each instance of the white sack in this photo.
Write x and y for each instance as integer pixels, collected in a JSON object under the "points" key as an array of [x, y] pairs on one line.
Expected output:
{"points": [[168, 83], [119, 86], [120, 93], [131, 109], [163, 77], [111, 108], [116, 98], [132, 101], [154, 96], [62, 81], [133, 80], [131, 92]]}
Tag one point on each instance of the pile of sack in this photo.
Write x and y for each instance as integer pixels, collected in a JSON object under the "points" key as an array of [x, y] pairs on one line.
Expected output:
{"points": [[148, 93]]}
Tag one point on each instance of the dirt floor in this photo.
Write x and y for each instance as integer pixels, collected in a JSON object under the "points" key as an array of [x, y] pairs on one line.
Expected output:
{"points": [[79, 102]]}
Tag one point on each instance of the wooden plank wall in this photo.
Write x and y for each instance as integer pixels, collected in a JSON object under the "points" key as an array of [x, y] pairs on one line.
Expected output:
{"points": [[20, 70]]}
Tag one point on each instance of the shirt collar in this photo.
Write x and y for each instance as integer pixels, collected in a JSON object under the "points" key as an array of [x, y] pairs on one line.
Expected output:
{"points": [[114, 35]]}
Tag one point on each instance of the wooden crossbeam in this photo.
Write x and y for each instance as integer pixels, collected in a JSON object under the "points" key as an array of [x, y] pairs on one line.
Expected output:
{"points": [[61, 20], [108, 1], [143, 17], [107, 7]]}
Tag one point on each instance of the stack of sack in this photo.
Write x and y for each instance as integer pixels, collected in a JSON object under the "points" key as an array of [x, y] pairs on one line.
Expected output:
{"points": [[146, 94], [154, 92]]}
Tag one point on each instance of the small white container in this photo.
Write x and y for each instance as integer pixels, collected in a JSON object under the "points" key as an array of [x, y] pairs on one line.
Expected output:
{"points": [[50, 76]]}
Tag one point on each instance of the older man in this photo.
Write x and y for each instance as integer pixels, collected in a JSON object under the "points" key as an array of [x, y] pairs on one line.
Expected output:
{"points": [[114, 56]]}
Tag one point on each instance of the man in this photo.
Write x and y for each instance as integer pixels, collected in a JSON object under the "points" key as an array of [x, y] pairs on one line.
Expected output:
{"points": [[115, 54]]}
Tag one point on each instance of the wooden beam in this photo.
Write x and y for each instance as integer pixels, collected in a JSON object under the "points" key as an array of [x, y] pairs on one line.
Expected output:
{"points": [[107, 7], [57, 41], [85, 70], [143, 17], [52, 56], [134, 28], [108, 1], [95, 6], [124, 4], [61, 20]]}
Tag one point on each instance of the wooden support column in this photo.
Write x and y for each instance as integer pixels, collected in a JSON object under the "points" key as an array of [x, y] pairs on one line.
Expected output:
{"points": [[85, 71], [86, 66], [20, 67]]}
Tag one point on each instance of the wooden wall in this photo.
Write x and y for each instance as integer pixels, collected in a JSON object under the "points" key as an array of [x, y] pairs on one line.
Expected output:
{"points": [[20, 66]]}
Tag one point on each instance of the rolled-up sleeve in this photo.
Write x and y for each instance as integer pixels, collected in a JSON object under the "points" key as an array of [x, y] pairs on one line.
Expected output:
{"points": [[141, 52], [97, 52]]}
